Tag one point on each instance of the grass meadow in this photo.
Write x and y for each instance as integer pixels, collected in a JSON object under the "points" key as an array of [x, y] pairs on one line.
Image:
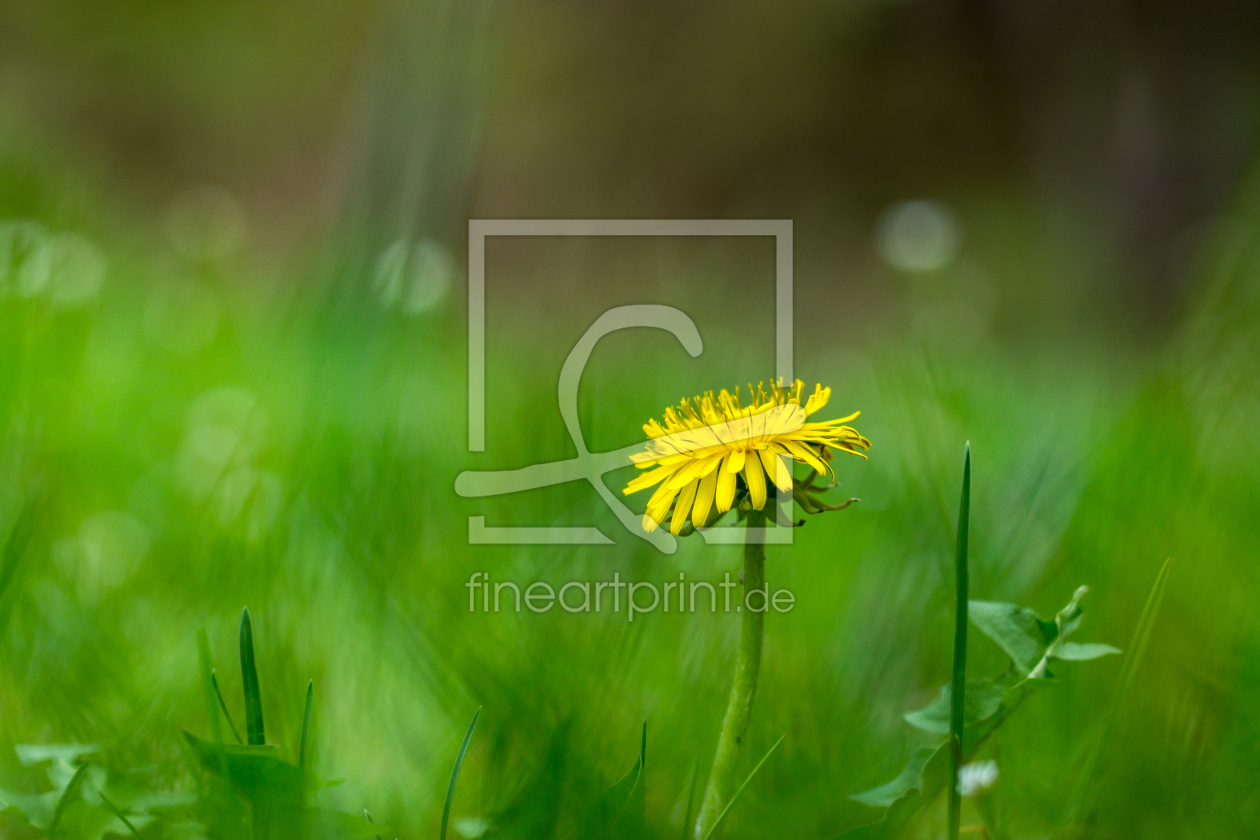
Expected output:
{"points": [[1035, 233], [173, 453]]}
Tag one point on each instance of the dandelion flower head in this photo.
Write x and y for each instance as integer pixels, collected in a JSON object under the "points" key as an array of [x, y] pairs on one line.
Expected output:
{"points": [[714, 450]]}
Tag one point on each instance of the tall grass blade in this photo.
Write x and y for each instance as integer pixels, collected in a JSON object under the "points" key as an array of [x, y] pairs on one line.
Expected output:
{"points": [[216, 728], [117, 813], [741, 789], [11, 558], [1079, 806], [76, 782], [249, 679], [304, 748], [459, 760], [638, 801], [367, 815], [691, 800], [212, 707], [214, 681], [959, 683]]}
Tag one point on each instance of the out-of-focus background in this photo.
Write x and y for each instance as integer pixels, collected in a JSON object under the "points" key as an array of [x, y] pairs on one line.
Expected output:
{"points": [[233, 368]]}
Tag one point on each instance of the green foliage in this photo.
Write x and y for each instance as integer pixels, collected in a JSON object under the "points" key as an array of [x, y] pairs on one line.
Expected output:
{"points": [[1017, 630], [254, 731], [459, 761], [1078, 807], [740, 790], [278, 792], [618, 811], [1031, 641], [86, 801], [299, 455], [989, 703], [983, 699]]}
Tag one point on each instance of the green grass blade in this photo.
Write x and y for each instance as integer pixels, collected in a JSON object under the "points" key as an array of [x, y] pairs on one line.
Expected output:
{"points": [[117, 813], [1137, 649], [214, 681], [742, 787], [212, 707], [459, 760], [304, 748], [959, 682], [691, 800], [367, 815], [638, 801], [249, 679], [76, 782]]}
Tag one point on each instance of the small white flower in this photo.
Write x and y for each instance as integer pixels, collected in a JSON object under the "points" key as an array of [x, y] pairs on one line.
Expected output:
{"points": [[977, 777]]}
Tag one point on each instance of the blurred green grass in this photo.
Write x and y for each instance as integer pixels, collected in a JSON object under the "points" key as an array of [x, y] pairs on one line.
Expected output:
{"points": [[202, 434]]}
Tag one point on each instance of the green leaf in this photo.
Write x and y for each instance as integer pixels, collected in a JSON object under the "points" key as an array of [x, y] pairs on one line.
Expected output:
{"points": [[1081, 652], [926, 775], [1017, 630], [459, 760], [256, 772], [926, 785], [906, 781], [254, 733], [974, 736], [981, 701], [29, 754], [34, 808]]}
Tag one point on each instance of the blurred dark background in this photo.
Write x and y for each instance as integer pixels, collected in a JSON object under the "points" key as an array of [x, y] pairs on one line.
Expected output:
{"points": [[1085, 146]]}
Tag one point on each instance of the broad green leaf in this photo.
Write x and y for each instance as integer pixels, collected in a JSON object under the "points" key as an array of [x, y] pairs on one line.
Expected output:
{"points": [[931, 780], [976, 735], [1017, 630], [906, 781], [256, 771], [925, 776], [981, 702], [30, 754], [35, 808], [1081, 652]]}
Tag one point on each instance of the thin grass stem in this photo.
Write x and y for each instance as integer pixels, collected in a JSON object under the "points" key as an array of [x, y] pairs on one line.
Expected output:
{"points": [[959, 682]]}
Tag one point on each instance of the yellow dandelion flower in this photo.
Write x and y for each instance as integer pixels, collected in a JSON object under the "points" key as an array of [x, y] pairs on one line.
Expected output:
{"points": [[708, 444]]}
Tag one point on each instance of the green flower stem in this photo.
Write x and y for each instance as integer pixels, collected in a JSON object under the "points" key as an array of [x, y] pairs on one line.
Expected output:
{"points": [[723, 778]]}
